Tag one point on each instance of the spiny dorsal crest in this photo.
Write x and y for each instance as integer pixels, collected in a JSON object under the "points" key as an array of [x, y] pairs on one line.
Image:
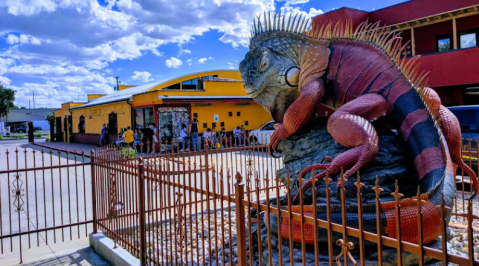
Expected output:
{"points": [[267, 24]]}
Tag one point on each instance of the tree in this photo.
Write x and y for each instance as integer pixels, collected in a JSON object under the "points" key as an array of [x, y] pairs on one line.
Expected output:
{"points": [[7, 96]]}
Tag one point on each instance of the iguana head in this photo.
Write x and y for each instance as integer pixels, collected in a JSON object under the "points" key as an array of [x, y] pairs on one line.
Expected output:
{"points": [[271, 79]]}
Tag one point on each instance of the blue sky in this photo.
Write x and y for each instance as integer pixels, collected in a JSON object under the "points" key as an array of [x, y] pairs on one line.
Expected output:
{"points": [[63, 50]]}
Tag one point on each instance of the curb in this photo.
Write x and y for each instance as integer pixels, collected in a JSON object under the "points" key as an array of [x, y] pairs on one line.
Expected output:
{"points": [[62, 150], [103, 246]]}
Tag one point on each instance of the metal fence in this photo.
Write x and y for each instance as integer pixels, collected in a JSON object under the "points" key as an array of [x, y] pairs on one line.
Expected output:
{"points": [[209, 207], [197, 208], [45, 197]]}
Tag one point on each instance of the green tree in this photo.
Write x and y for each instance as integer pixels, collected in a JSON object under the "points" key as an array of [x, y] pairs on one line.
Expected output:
{"points": [[51, 118], [7, 96]]}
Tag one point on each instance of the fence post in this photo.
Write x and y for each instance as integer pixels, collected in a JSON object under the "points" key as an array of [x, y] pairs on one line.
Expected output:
{"points": [[141, 211], [240, 221], [93, 190]]}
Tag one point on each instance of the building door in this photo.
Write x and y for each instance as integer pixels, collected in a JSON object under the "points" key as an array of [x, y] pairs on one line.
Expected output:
{"points": [[170, 121], [58, 126], [112, 124]]}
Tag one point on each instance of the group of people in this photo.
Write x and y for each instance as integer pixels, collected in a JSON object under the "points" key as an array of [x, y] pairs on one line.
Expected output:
{"points": [[131, 138], [210, 137], [189, 137]]}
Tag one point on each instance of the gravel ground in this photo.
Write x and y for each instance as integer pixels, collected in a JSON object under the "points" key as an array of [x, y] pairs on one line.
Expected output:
{"points": [[166, 242]]}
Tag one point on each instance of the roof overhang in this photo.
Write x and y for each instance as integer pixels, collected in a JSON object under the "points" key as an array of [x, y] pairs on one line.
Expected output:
{"points": [[196, 99], [437, 18]]}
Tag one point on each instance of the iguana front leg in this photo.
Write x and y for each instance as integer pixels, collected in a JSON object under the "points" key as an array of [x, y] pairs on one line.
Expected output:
{"points": [[300, 112], [350, 126]]}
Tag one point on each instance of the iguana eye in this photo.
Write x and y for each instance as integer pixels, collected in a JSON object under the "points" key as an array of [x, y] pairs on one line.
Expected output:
{"points": [[292, 76], [264, 61]]}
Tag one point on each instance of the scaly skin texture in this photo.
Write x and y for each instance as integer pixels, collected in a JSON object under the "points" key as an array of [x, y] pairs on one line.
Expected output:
{"points": [[291, 75]]}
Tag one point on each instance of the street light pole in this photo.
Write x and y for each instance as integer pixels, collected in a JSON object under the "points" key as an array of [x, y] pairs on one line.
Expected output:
{"points": [[117, 84]]}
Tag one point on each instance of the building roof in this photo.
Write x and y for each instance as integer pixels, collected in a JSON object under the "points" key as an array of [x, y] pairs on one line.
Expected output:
{"points": [[119, 96], [23, 115], [125, 94]]}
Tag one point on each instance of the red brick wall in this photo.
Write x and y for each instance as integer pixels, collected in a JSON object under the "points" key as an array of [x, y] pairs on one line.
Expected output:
{"points": [[93, 139]]}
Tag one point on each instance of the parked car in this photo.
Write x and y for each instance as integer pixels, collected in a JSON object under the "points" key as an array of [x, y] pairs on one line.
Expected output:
{"points": [[37, 129], [262, 135], [21, 129]]}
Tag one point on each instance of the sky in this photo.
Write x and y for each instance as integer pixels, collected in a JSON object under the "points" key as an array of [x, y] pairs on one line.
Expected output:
{"points": [[62, 50]]}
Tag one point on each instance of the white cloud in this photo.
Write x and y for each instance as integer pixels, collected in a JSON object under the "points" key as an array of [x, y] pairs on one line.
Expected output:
{"points": [[143, 76], [287, 8], [60, 43], [202, 60], [183, 51], [294, 2], [22, 39], [5, 81], [231, 67], [173, 62], [210, 58]]}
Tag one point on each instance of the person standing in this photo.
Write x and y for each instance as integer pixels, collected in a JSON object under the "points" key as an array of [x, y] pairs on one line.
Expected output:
{"points": [[184, 137], [193, 130], [147, 139], [128, 137], [103, 133]]}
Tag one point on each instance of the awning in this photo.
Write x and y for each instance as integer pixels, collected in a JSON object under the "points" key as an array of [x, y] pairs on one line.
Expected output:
{"points": [[195, 99]]}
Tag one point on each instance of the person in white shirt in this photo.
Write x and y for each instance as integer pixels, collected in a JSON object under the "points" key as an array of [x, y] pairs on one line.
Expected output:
{"points": [[207, 138]]}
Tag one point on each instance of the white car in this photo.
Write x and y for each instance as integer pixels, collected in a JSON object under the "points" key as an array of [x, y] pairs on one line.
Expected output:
{"points": [[262, 135]]}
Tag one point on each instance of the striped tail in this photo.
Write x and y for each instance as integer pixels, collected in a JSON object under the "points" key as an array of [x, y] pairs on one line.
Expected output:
{"points": [[418, 129]]}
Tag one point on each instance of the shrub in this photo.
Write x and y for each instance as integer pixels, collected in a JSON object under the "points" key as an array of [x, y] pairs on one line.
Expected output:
{"points": [[128, 152], [47, 138], [17, 136], [37, 134], [1, 136]]}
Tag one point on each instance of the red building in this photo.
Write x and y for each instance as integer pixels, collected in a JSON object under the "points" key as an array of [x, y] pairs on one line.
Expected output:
{"points": [[444, 32]]}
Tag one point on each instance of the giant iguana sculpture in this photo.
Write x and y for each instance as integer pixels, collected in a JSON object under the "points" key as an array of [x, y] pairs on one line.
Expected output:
{"points": [[292, 68]]}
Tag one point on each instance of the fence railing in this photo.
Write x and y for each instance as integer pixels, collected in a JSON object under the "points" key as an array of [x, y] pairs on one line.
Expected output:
{"points": [[197, 208], [45, 197], [204, 207]]}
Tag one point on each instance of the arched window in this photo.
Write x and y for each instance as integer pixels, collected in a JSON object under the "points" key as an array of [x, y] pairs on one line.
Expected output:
{"points": [[112, 124], [81, 125]]}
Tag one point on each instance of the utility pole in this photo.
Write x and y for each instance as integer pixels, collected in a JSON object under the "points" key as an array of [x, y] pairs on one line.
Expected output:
{"points": [[33, 99], [117, 84], [29, 107]]}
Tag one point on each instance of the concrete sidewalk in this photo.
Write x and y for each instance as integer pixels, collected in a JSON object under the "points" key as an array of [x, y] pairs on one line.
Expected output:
{"points": [[70, 147]]}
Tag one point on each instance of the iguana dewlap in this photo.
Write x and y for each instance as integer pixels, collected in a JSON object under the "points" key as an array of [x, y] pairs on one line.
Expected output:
{"points": [[291, 69]]}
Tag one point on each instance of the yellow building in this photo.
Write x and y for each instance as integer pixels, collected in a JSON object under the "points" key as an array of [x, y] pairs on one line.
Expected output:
{"points": [[216, 98]]}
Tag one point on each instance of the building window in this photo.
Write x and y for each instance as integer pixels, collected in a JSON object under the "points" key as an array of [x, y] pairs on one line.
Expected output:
{"points": [[213, 125], [468, 38], [205, 125], [238, 113], [443, 43], [189, 84], [195, 115], [230, 113], [81, 125], [222, 124], [112, 124], [246, 123], [173, 87], [143, 117], [212, 77]]}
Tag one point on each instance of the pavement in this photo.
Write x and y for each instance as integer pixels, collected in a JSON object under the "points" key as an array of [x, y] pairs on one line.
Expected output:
{"points": [[76, 148]]}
